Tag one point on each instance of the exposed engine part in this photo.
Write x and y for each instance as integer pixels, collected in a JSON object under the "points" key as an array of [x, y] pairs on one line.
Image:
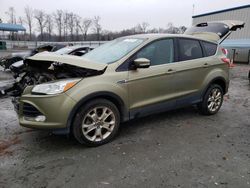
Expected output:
{"points": [[37, 72]]}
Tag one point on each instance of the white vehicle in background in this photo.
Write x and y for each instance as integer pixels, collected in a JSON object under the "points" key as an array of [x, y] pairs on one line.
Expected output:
{"points": [[23, 75]]}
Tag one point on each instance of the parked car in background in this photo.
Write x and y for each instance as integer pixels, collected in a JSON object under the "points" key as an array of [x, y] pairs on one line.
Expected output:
{"points": [[7, 61], [76, 50], [19, 66], [127, 78], [29, 75]]}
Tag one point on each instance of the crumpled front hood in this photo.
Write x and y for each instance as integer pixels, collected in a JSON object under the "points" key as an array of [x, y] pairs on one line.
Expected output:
{"points": [[68, 59]]}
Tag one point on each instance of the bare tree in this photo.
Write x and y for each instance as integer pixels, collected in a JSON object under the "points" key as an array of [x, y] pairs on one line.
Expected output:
{"points": [[40, 16], [65, 24], [29, 18], [20, 35], [86, 23], [12, 15], [49, 25], [144, 26], [141, 28], [71, 24], [97, 26], [77, 25], [12, 18], [154, 30], [138, 28], [171, 28], [59, 22], [20, 20]]}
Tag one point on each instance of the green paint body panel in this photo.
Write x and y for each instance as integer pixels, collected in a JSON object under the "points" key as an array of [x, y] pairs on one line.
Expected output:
{"points": [[136, 88], [56, 109]]}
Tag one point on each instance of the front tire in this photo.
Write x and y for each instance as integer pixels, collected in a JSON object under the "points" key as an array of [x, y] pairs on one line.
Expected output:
{"points": [[212, 100], [96, 123]]}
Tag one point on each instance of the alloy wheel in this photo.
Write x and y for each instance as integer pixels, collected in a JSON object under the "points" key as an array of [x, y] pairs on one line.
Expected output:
{"points": [[214, 100], [98, 123]]}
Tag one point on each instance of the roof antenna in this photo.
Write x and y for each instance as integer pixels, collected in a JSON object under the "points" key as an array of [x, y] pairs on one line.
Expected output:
{"points": [[193, 9]]}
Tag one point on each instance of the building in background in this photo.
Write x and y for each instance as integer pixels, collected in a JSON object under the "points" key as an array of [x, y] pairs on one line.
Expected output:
{"points": [[238, 43]]}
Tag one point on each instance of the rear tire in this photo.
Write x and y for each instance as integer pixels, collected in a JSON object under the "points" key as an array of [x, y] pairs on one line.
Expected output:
{"points": [[96, 123], [212, 100]]}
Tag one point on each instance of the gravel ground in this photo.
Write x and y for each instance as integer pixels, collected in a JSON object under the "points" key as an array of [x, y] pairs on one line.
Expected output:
{"points": [[173, 149]]}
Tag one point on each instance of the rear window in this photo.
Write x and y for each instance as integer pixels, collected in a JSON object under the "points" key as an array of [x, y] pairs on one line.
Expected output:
{"points": [[210, 48], [189, 49], [217, 28]]}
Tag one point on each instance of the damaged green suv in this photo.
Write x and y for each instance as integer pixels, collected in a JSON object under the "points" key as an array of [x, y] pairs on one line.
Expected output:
{"points": [[127, 78]]}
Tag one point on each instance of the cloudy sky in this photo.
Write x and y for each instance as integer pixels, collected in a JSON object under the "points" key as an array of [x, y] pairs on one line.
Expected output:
{"points": [[120, 14]]}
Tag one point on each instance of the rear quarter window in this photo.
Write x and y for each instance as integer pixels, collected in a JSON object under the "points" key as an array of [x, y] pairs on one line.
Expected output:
{"points": [[210, 48]]}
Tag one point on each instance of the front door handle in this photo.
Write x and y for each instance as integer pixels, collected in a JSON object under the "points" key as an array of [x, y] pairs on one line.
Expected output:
{"points": [[170, 71], [205, 65]]}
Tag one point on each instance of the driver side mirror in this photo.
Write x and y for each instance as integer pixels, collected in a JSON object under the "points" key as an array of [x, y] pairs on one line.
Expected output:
{"points": [[141, 63]]}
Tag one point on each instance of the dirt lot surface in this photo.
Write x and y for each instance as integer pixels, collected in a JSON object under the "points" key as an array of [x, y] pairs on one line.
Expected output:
{"points": [[173, 149]]}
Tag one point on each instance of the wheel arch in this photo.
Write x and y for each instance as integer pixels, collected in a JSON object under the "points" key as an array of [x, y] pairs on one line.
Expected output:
{"points": [[220, 81], [118, 102]]}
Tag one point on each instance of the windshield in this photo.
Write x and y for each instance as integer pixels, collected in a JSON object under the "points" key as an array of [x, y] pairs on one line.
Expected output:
{"points": [[62, 51], [113, 50]]}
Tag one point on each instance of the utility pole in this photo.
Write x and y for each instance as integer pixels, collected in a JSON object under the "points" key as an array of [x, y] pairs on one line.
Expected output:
{"points": [[193, 9]]}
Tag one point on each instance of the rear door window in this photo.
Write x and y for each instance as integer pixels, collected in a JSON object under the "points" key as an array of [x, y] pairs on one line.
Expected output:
{"points": [[189, 49], [210, 48]]}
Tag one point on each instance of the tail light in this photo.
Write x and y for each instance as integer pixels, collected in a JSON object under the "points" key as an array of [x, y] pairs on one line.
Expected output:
{"points": [[225, 59], [224, 51]]}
